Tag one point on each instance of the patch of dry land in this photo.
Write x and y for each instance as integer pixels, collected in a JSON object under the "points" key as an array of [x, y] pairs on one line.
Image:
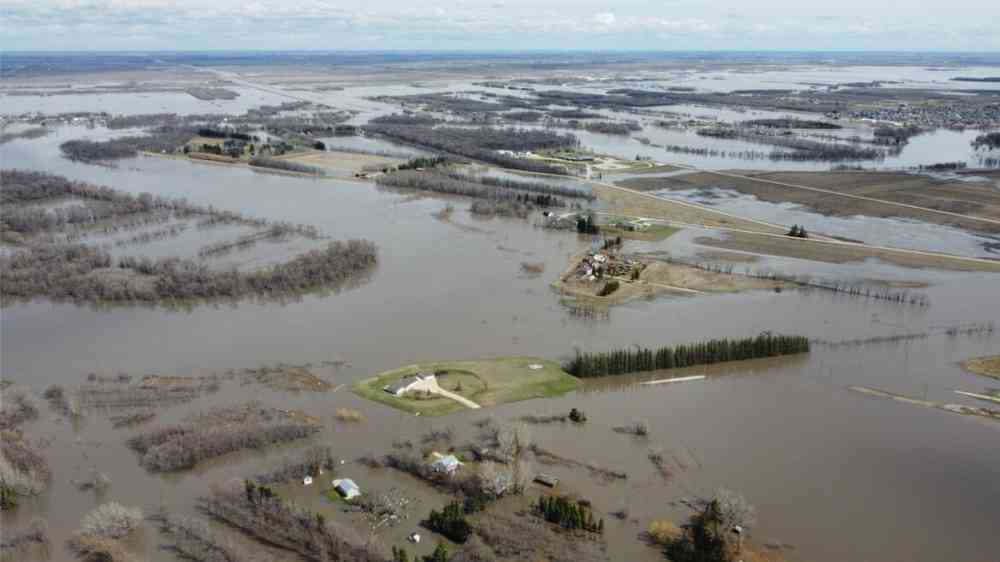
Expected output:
{"points": [[656, 277], [487, 382], [834, 252], [988, 366], [343, 162], [874, 194], [634, 204]]}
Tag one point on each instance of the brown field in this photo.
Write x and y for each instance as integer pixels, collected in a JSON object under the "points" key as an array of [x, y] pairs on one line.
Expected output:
{"points": [[687, 277], [831, 252], [343, 162], [840, 193]]}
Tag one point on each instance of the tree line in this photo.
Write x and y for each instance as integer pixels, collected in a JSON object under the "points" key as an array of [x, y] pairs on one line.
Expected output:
{"points": [[160, 139], [287, 165], [82, 273], [463, 185], [534, 187], [278, 522], [481, 143], [181, 447], [631, 360]]}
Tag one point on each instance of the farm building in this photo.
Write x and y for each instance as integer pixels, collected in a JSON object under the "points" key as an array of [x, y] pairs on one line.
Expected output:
{"points": [[408, 383], [346, 488], [445, 464]]}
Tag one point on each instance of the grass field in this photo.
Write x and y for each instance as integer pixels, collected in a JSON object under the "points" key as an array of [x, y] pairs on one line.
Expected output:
{"points": [[872, 194], [818, 250], [635, 204], [988, 366], [654, 233], [487, 382]]}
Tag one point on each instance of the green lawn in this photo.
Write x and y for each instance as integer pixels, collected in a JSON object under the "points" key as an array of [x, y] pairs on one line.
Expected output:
{"points": [[487, 382], [654, 233]]}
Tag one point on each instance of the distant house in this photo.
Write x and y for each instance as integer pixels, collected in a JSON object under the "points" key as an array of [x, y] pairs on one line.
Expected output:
{"points": [[408, 383], [547, 480], [445, 464], [346, 488]]}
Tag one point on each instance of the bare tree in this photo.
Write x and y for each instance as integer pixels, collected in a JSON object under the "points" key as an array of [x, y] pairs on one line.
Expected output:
{"points": [[734, 510], [111, 520]]}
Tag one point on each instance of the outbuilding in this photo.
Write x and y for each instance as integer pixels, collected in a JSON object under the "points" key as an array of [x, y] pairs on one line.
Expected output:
{"points": [[346, 488]]}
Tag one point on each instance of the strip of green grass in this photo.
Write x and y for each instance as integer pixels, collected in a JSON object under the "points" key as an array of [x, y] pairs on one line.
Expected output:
{"points": [[504, 380]]}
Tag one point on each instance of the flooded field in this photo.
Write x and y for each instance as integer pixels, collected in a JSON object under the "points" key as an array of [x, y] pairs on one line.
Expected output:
{"points": [[835, 475]]}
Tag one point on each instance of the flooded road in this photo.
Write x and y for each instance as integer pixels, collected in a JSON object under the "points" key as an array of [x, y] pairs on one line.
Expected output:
{"points": [[835, 474]]}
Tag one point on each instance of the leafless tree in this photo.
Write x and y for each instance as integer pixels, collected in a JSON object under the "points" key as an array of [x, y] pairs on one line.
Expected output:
{"points": [[110, 520]]}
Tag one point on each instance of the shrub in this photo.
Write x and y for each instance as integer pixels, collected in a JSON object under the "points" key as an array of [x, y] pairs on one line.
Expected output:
{"points": [[18, 404], [638, 428], [663, 532], [568, 513], [285, 525], [98, 549], [14, 539], [348, 415], [608, 288], [111, 521], [450, 522]]}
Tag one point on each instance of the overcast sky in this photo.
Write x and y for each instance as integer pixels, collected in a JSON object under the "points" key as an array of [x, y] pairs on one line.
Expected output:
{"points": [[500, 24]]}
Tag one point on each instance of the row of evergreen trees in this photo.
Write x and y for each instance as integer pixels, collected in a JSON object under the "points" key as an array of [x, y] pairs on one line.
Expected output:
{"points": [[632, 360], [568, 514]]}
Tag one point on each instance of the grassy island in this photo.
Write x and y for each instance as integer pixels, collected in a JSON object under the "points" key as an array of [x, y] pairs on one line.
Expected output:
{"points": [[484, 382]]}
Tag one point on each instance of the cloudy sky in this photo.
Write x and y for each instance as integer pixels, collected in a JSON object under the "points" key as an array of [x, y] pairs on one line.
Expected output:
{"points": [[500, 24]]}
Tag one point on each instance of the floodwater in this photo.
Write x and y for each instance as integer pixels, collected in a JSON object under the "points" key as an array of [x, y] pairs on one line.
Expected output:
{"points": [[892, 232], [836, 474]]}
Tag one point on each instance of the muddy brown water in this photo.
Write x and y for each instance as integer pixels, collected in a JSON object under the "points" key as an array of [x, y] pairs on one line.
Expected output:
{"points": [[835, 474]]}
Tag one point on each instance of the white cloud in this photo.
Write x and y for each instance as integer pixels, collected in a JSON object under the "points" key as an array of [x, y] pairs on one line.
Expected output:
{"points": [[487, 24], [604, 18]]}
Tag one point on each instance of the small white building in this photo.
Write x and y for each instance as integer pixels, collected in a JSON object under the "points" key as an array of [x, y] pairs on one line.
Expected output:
{"points": [[308, 480], [346, 488], [445, 464], [408, 383]]}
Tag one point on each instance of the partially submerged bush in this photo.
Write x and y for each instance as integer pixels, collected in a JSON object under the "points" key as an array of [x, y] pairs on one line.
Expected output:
{"points": [[18, 405], [639, 428], [181, 448], [15, 539], [99, 549], [193, 539], [285, 525], [348, 415], [111, 520], [663, 532]]}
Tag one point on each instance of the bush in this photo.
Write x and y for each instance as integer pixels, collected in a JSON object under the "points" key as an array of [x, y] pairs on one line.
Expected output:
{"points": [[99, 549], [450, 522], [608, 288], [285, 525], [348, 415], [638, 428], [663, 532], [568, 514], [111, 521]]}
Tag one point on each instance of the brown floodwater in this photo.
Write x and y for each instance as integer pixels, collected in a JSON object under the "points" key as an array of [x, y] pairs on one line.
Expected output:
{"points": [[836, 475]]}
